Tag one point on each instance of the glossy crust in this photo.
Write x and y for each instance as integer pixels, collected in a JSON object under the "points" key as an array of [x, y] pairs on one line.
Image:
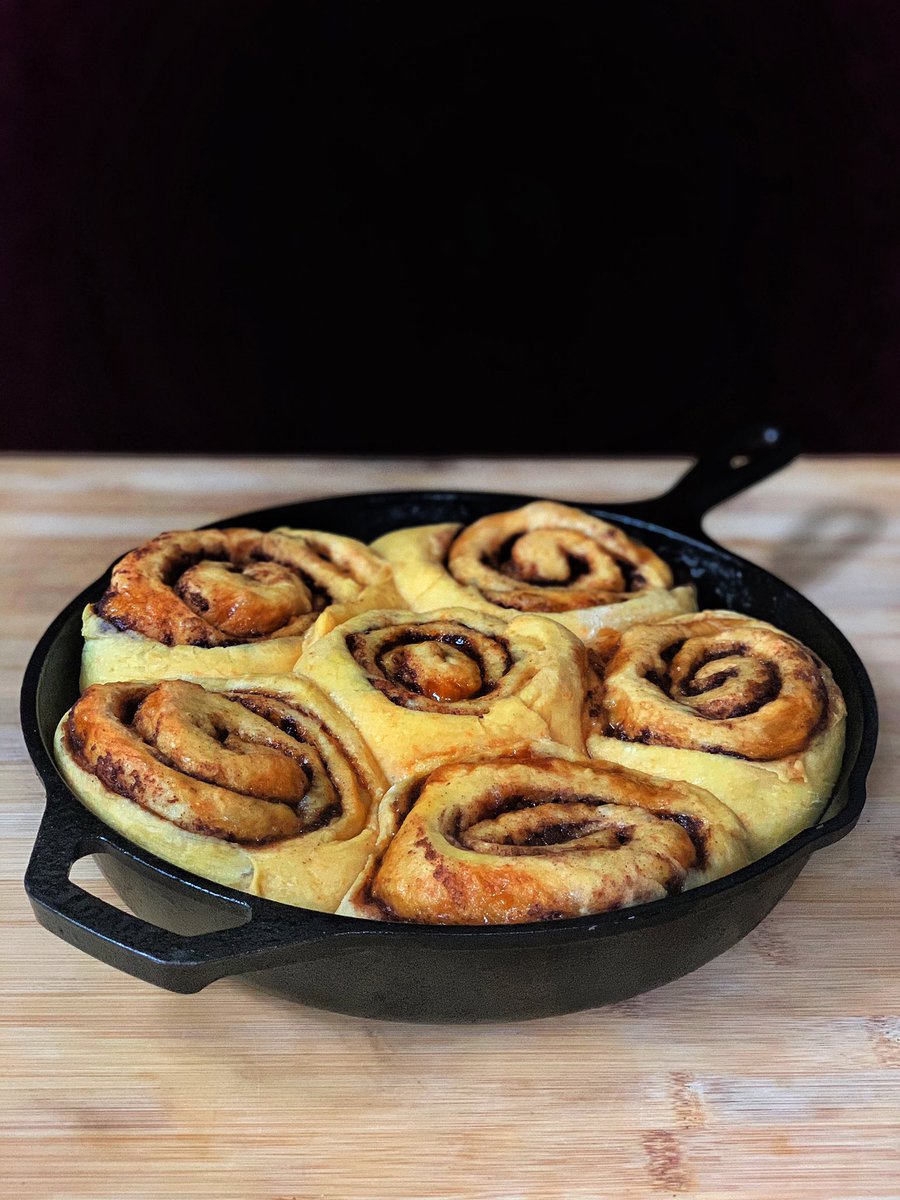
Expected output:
{"points": [[729, 703], [227, 602], [427, 688], [514, 840], [546, 558], [260, 784]]}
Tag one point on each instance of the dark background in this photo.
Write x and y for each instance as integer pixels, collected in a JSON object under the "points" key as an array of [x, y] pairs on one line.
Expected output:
{"points": [[448, 228]]}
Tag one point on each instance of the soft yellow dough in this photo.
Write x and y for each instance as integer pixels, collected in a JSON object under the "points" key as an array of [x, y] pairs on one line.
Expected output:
{"points": [[110, 654]]}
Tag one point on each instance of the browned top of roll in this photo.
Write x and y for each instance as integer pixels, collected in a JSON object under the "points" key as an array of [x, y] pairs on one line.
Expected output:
{"points": [[549, 557], [221, 587], [520, 839], [245, 768], [716, 682]]}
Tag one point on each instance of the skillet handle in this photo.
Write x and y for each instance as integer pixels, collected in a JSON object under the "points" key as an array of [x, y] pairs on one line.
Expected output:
{"points": [[747, 456], [178, 962]]}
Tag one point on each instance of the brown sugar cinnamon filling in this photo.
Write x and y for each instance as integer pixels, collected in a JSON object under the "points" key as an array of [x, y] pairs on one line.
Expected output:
{"points": [[432, 666]]}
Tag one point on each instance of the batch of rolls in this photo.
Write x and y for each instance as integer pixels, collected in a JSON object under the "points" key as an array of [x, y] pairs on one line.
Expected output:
{"points": [[519, 720]]}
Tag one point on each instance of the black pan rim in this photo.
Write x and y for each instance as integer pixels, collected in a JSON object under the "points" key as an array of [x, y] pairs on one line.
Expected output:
{"points": [[852, 778]]}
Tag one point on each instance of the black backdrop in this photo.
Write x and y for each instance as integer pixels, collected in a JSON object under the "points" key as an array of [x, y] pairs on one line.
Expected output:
{"points": [[451, 228]]}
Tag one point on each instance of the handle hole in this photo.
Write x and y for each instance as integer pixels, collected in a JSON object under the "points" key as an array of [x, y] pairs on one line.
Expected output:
{"points": [[109, 878], [85, 873]]}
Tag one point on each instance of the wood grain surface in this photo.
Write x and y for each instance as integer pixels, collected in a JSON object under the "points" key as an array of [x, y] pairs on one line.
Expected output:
{"points": [[773, 1071]]}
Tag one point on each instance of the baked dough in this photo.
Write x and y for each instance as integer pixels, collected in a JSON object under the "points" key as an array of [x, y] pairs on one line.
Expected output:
{"points": [[358, 579], [426, 688], [226, 603], [733, 705], [546, 558], [515, 721], [513, 840], [259, 784]]}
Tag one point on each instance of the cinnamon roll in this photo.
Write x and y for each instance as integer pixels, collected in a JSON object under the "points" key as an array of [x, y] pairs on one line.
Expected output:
{"points": [[546, 558], [226, 602], [514, 840], [731, 704], [425, 688], [260, 784]]}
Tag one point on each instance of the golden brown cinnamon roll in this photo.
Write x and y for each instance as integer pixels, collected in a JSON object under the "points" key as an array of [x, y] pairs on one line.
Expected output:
{"points": [[546, 558], [513, 840], [262, 784], [226, 602], [425, 688], [729, 703]]}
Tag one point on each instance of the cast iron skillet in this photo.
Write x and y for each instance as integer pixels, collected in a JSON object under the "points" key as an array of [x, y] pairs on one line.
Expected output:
{"points": [[188, 932]]}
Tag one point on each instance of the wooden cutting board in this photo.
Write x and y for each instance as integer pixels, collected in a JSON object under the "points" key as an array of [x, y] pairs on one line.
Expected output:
{"points": [[773, 1071]]}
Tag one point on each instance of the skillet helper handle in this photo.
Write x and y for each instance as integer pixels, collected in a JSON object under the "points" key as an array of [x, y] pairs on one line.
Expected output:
{"points": [[746, 457], [177, 962]]}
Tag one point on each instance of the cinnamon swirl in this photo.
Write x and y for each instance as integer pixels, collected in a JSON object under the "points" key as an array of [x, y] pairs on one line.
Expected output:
{"points": [[546, 558], [512, 840], [260, 784], [226, 602], [425, 688], [731, 704]]}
